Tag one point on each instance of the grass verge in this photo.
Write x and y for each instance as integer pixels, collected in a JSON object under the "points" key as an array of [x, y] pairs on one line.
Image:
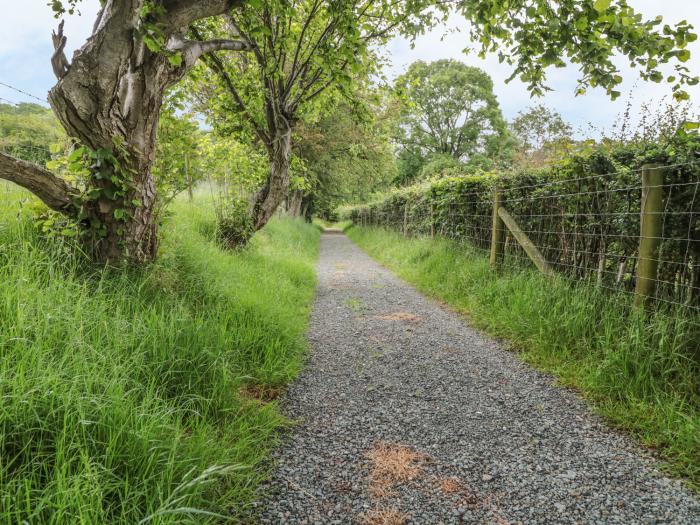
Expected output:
{"points": [[640, 370], [128, 395]]}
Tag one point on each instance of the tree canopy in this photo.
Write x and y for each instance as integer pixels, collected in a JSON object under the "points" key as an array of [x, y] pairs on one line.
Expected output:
{"points": [[539, 125], [347, 154], [533, 35], [293, 52], [541, 133], [449, 108]]}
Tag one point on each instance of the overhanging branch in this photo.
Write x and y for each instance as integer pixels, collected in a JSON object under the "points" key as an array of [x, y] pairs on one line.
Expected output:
{"points": [[217, 67], [181, 13], [52, 190], [193, 50]]}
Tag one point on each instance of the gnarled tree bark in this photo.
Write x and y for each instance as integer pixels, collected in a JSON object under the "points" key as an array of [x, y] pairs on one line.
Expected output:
{"points": [[53, 191], [294, 200], [276, 187], [109, 98]]}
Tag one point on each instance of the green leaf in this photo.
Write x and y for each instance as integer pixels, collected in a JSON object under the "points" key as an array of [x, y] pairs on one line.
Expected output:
{"points": [[175, 59], [681, 95], [151, 43], [601, 5]]}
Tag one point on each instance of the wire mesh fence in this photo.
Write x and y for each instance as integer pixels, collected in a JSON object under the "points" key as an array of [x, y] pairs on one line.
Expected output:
{"points": [[587, 228], [17, 137]]}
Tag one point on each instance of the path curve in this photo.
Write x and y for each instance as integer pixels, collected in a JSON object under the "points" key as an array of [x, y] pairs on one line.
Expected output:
{"points": [[408, 415]]}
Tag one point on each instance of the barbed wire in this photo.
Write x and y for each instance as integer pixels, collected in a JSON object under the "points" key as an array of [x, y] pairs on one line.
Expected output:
{"points": [[593, 233], [25, 93]]}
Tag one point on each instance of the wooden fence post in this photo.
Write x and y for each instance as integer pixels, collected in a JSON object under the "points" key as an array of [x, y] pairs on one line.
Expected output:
{"points": [[524, 241], [497, 229], [405, 218], [650, 232]]}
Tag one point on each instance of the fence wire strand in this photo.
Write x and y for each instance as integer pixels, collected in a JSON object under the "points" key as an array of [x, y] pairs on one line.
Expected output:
{"points": [[586, 228]]}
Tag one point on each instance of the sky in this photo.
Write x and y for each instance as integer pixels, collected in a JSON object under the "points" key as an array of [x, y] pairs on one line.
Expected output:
{"points": [[25, 53]]}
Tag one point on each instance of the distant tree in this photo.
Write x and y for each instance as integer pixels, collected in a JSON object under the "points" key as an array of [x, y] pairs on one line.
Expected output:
{"points": [[449, 108], [347, 154], [541, 132], [538, 126]]}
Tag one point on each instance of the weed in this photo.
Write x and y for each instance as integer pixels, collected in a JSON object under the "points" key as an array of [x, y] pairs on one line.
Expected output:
{"points": [[354, 304]]}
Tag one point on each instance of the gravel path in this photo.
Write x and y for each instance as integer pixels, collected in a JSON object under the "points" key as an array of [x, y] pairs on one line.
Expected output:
{"points": [[407, 415]]}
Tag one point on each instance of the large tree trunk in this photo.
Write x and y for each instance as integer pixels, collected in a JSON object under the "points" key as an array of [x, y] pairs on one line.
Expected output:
{"points": [[294, 200], [109, 99], [276, 188]]}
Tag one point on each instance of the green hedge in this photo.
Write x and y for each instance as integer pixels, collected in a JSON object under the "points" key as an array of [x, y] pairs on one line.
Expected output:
{"points": [[583, 214]]}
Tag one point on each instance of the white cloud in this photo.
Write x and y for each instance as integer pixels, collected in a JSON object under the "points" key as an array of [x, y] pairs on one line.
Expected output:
{"points": [[26, 49]]}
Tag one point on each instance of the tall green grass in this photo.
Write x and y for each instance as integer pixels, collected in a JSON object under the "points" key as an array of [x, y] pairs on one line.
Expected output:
{"points": [[641, 370], [122, 392]]}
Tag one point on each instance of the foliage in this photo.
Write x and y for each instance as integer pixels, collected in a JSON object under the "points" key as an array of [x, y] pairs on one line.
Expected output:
{"points": [[533, 35], [409, 164], [439, 164], [640, 370], [311, 48], [450, 109], [124, 391], [582, 212], [347, 154], [234, 226], [538, 126], [235, 167], [299, 51], [234, 171], [542, 135], [28, 131], [179, 156], [305, 56]]}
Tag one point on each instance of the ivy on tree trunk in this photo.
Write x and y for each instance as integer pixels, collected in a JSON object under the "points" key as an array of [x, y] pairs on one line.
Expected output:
{"points": [[108, 99]]}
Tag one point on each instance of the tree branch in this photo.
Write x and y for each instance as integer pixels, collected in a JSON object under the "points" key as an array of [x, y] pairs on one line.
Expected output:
{"points": [[181, 13], [218, 68], [220, 44], [59, 62], [52, 190], [192, 50]]}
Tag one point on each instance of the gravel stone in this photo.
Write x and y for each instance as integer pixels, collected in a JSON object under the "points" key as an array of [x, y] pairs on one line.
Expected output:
{"points": [[388, 365]]}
